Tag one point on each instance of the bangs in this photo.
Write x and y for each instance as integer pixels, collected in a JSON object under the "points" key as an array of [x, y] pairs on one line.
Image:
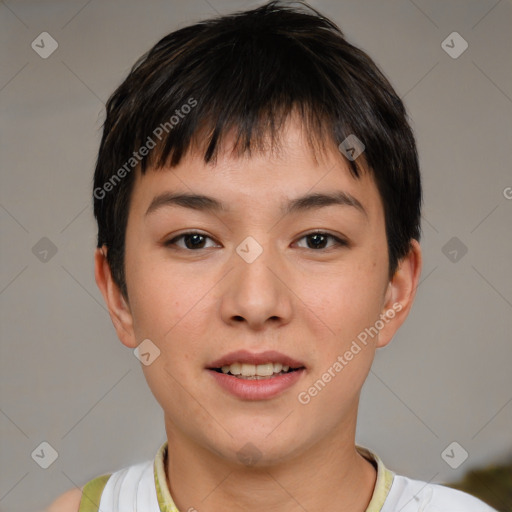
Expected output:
{"points": [[238, 137]]}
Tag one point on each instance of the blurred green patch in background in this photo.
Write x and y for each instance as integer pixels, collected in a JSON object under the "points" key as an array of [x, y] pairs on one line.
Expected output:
{"points": [[492, 484]]}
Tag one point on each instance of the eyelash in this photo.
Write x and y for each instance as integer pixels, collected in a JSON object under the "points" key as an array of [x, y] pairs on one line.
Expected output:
{"points": [[338, 242]]}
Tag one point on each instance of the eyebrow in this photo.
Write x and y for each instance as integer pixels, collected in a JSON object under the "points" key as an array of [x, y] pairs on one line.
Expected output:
{"points": [[210, 204]]}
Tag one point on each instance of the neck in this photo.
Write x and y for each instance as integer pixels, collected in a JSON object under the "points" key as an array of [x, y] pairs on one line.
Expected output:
{"points": [[330, 476]]}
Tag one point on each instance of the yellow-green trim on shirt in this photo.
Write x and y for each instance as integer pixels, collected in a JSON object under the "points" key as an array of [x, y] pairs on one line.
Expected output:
{"points": [[380, 492], [91, 494], [383, 482], [165, 501]]}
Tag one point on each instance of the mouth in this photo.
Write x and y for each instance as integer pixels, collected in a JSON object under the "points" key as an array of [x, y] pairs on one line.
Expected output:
{"points": [[254, 366], [256, 372], [263, 381]]}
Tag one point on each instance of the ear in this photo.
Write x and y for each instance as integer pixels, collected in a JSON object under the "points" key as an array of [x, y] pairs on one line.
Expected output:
{"points": [[400, 294], [118, 306]]}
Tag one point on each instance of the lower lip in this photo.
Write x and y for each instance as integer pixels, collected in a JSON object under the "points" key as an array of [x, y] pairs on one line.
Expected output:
{"points": [[262, 389]]}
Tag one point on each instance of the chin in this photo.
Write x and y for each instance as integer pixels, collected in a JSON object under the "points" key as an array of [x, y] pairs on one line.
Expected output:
{"points": [[258, 449]]}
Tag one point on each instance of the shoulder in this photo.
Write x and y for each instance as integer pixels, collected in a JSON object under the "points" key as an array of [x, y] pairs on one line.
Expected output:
{"points": [[411, 495], [67, 502], [126, 486], [73, 500]]}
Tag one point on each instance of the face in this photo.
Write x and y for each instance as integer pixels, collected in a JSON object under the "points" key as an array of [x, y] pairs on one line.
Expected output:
{"points": [[258, 274]]}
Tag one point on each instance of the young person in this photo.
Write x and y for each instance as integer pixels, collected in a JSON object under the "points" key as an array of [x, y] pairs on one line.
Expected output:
{"points": [[258, 198]]}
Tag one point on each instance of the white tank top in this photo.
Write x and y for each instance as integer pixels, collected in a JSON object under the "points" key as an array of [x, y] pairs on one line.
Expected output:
{"points": [[143, 488]]}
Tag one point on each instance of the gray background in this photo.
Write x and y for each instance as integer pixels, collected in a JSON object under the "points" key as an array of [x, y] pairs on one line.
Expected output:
{"points": [[67, 380]]}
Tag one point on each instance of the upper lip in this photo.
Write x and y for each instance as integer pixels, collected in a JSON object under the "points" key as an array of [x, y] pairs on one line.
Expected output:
{"points": [[244, 356]]}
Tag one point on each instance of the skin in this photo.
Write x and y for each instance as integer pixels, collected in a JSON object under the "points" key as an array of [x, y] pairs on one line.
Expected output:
{"points": [[310, 303]]}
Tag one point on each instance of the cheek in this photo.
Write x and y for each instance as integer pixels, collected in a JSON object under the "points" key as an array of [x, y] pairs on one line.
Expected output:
{"points": [[164, 300], [345, 352], [346, 301], [170, 308]]}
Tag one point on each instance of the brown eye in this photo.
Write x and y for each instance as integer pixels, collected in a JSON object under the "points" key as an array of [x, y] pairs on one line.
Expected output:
{"points": [[319, 240], [191, 241]]}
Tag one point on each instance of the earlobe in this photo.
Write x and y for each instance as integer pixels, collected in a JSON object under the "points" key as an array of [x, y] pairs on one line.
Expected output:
{"points": [[400, 293], [117, 305]]}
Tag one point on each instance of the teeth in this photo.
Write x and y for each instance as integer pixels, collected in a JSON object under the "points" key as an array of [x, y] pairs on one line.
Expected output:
{"points": [[265, 370], [248, 370], [235, 368], [252, 370]]}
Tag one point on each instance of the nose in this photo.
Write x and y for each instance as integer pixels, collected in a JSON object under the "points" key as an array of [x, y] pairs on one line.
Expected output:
{"points": [[256, 292]]}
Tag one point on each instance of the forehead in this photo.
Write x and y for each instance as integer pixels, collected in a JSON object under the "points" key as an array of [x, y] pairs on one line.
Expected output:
{"points": [[260, 179]]}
